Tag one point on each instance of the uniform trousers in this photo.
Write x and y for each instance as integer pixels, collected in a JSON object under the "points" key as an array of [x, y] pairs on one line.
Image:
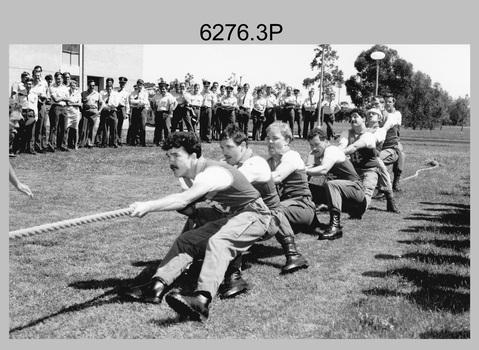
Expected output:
{"points": [[206, 115], [243, 118], [269, 118], [298, 116], [109, 127], [218, 242], [40, 128], [308, 122], [288, 117], [181, 113], [329, 120], [394, 156], [56, 111], [120, 116], [87, 125], [138, 125], [258, 120], [300, 212], [162, 126], [339, 195], [195, 116], [24, 141], [369, 177]]}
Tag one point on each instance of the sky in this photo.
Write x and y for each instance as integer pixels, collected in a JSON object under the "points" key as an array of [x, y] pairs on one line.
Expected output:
{"points": [[448, 65]]}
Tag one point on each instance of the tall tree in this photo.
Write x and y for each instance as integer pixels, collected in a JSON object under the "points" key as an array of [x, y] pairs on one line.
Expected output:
{"points": [[395, 74], [460, 112], [324, 62]]}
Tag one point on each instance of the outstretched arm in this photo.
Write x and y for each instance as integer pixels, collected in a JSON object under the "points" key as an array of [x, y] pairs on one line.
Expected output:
{"points": [[18, 185]]}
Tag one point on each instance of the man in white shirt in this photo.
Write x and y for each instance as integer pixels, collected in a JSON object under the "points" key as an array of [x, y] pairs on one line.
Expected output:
{"points": [[140, 108], [123, 108], [245, 105]]}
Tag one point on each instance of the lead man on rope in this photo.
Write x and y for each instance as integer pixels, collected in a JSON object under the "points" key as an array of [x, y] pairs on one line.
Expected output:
{"points": [[219, 241]]}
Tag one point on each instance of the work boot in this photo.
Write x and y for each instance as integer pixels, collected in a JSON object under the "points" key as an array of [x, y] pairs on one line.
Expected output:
{"points": [[194, 307], [357, 212], [391, 204], [294, 260], [396, 183], [233, 283], [334, 230], [150, 292]]}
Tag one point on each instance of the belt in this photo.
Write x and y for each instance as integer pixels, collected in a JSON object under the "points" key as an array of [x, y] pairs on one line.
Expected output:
{"points": [[205, 107]]}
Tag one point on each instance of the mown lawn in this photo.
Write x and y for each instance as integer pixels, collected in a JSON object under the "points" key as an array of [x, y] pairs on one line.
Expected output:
{"points": [[394, 276]]}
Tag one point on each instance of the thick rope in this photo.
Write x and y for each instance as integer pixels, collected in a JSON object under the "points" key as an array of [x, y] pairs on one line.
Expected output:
{"points": [[69, 223], [434, 164]]}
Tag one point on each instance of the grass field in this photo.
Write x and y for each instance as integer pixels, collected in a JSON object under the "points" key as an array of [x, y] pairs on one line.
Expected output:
{"points": [[392, 276]]}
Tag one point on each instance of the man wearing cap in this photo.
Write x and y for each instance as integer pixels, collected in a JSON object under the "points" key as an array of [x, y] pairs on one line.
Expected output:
{"points": [[163, 104], [228, 105], [123, 107], [181, 111], [245, 105], [287, 103], [28, 99], [209, 100], [270, 110], [139, 104]]}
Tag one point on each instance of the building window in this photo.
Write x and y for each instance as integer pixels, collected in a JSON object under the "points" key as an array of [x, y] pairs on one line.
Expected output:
{"points": [[71, 54]]}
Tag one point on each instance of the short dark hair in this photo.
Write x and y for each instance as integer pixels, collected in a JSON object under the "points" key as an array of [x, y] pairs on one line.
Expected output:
{"points": [[359, 111], [387, 95], [66, 73], [234, 133], [48, 77], [37, 67], [317, 132], [186, 139], [58, 74]]}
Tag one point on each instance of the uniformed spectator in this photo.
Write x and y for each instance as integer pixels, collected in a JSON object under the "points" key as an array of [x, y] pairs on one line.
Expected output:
{"points": [[28, 99], [62, 134], [329, 109], [140, 107], [163, 104], [270, 110], [73, 115], [228, 105], [257, 114], [40, 87], [196, 100], [245, 105], [91, 105], [181, 111], [59, 94], [123, 110], [209, 100], [310, 107], [287, 103]]}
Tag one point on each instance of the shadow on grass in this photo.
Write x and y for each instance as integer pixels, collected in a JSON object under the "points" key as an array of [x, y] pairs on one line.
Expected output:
{"points": [[445, 334], [434, 290]]}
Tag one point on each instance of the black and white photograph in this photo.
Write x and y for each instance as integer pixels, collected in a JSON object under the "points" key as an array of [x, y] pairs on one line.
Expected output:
{"points": [[238, 185]]}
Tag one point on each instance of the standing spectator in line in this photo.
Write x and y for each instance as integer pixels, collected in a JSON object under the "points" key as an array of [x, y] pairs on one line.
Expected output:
{"points": [[270, 110], [181, 111], [196, 99], [342, 115], [228, 105], [289, 174], [28, 99], [140, 107], [163, 104], [59, 94], [123, 108], [110, 99], [62, 135], [19, 85], [245, 105], [131, 139], [394, 117], [73, 115], [298, 111], [343, 193], [101, 127], [209, 100], [215, 117], [310, 106], [40, 133], [91, 104], [257, 114], [15, 115], [329, 109], [287, 103]]}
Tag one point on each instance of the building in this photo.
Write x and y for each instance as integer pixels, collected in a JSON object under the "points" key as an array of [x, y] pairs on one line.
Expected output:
{"points": [[82, 61]]}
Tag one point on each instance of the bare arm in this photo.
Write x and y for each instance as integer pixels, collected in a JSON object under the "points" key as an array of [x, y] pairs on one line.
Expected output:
{"points": [[326, 165], [18, 185], [282, 172]]}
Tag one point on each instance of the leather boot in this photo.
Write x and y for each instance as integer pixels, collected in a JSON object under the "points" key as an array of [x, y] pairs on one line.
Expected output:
{"points": [[195, 307], [391, 204], [294, 260], [396, 183], [233, 283], [150, 292], [334, 230]]}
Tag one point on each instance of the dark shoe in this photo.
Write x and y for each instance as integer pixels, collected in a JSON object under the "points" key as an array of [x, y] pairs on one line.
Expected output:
{"points": [[11, 155], [294, 260], [195, 307], [233, 286], [391, 204], [50, 149], [150, 292], [357, 213], [335, 230], [64, 149]]}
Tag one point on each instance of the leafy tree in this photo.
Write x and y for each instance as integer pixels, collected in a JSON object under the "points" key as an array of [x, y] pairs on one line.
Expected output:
{"points": [[332, 75], [395, 74], [460, 112]]}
